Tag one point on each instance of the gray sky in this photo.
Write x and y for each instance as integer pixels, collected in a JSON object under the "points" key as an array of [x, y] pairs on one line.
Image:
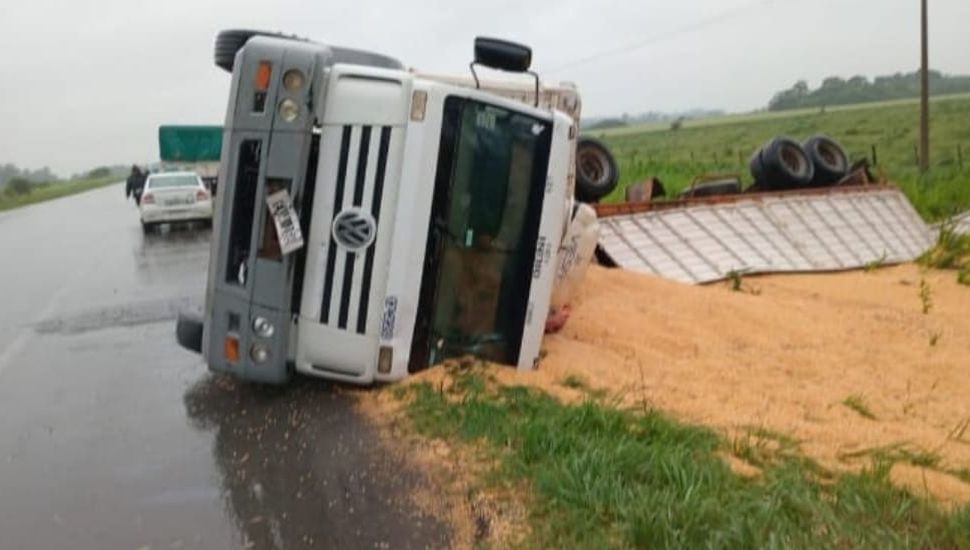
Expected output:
{"points": [[84, 83]]}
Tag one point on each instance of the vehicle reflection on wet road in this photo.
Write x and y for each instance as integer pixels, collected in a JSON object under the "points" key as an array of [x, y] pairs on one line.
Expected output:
{"points": [[113, 437]]}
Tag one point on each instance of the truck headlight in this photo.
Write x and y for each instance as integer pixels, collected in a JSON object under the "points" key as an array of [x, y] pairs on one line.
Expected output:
{"points": [[289, 110], [263, 328], [259, 353], [293, 80]]}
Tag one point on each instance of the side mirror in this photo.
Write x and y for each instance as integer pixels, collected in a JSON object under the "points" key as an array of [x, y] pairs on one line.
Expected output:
{"points": [[504, 56]]}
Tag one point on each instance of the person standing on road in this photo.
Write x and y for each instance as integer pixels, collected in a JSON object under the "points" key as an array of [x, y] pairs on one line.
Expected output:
{"points": [[135, 184]]}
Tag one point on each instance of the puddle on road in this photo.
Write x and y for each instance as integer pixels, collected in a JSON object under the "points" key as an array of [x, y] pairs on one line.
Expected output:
{"points": [[127, 315]]}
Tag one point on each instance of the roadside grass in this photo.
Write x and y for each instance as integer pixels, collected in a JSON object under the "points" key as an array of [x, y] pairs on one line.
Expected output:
{"points": [[46, 191], [766, 115], [725, 146], [600, 476], [951, 251]]}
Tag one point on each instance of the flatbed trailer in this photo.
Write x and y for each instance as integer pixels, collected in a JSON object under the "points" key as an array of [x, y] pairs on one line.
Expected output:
{"points": [[702, 240]]}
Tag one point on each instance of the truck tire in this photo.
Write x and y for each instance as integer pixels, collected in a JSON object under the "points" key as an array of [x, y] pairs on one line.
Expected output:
{"points": [[596, 170], [230, 41], [782, 164], [188, 331], [829, 159]]}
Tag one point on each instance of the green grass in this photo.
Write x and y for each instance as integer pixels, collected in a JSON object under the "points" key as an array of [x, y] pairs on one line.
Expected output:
{"points": [[724, 145], [602, 477], [951, 251], [47, 191]]}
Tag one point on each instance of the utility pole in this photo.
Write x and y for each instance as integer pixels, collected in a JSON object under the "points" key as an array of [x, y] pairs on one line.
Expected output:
{"points": [[924, 120]]}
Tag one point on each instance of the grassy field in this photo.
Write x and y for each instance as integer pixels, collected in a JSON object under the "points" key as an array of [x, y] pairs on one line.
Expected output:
{"points": [[724, 145], [47, 191], [600, 477]]}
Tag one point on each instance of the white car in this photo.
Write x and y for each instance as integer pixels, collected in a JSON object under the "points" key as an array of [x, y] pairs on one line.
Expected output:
{"points": [[174, 197]]}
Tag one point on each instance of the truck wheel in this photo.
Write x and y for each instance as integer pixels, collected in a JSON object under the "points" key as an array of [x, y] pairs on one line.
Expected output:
{"points": [[230, 41], [188, 331], [757, 168], [596, 170], [147, 228], [782, 164], [829, 159]]}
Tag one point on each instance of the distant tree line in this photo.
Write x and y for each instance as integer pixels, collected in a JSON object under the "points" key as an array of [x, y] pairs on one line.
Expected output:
{"points": [[9, 172], [859, 89], [20, 181], [646, 118]]}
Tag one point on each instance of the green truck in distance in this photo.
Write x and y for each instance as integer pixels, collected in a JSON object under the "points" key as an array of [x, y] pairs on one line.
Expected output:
{"points": [[191, 147]]}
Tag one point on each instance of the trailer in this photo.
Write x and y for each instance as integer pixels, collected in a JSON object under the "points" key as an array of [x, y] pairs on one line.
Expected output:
{"points": [[705, 239], [191, 148]]}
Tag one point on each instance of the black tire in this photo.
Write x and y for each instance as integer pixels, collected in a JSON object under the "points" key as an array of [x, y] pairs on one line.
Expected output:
{"points": [[188, 331], [596, 170], [230, 41], [829, 159], [782, 164], [712, 189], [147, 228]]}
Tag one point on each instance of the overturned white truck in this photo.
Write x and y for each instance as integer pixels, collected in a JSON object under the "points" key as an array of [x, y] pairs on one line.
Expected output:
{"points": [[372, 221]]}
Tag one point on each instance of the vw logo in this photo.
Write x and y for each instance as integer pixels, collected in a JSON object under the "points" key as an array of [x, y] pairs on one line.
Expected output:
{"points": [[354, 229]]}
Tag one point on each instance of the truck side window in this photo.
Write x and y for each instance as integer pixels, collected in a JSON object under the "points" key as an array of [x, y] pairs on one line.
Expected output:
{"points": [[243, 208]]}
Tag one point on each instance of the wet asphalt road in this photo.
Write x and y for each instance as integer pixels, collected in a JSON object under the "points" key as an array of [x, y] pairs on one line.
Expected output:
{"points": [[113, 437]]}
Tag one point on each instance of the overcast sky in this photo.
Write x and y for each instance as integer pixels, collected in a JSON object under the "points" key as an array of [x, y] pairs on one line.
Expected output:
{"points": [[84, 83]]}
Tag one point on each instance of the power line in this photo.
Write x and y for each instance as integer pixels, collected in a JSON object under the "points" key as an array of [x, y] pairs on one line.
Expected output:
{"points": [[699, 24]]}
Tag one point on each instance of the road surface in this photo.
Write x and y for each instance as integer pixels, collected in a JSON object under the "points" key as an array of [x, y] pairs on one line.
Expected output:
{"points": [[113, 437]]}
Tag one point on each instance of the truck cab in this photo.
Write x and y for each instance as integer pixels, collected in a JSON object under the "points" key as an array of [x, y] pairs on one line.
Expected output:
{"points": [[427, 215]]}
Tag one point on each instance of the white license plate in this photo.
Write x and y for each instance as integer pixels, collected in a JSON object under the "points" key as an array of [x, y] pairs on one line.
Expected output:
{"points": [[287, 223], [177, 202]]}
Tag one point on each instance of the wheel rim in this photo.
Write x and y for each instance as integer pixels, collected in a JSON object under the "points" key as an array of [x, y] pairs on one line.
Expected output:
{"points": [[794, 160], [594, 166], [830, 156]]}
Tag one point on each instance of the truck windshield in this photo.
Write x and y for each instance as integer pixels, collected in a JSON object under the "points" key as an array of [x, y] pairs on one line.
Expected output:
{"points": [[484, 227]]}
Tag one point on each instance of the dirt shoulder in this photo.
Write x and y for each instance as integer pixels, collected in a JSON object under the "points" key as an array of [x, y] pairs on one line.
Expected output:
{"points": [[785, 354], [844, 368]]}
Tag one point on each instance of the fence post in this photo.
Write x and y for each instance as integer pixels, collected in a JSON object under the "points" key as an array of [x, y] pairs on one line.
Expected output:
{"points": [[715, 157], [875, 155], [692, 156]]}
